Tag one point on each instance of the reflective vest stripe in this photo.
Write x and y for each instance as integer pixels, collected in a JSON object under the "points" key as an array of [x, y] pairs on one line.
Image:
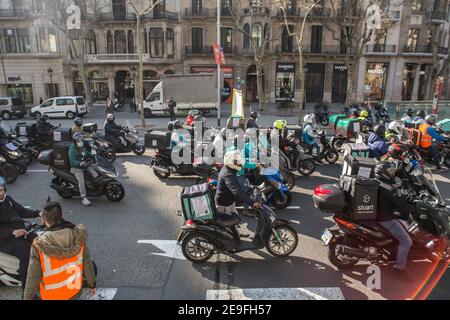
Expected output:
{"points": [[427, 140], [51, 272], [64, 283]]}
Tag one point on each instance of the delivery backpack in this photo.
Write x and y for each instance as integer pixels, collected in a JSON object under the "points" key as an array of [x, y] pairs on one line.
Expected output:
{"points": [[362, 197], [198, 203]]}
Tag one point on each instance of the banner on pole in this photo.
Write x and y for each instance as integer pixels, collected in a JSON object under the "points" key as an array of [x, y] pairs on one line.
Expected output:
{"points": [[437, 94], [219, 54], [238, 104]]}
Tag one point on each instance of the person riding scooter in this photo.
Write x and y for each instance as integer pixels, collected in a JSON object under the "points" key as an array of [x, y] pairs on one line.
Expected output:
{"points": [[408, 117], [395, 131], [390, 201], [310, 135], [43, 129], [377, 144], [12, 230], [251, 123], [77, 128], [420, 117], [78, 155], [364, 118], [229, 190], [428, 135], [113, 132]]}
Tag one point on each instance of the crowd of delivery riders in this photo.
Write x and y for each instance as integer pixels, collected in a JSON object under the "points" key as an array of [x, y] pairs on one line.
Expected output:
{"points": [[56, 264]]}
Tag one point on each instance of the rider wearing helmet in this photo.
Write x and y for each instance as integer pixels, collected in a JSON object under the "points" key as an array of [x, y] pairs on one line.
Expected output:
{"points": [[429, 135], [309, 134], [78, 123], [113, 132], [377, 144], [12, 230], [178, 137], [363, 117], [229, 190], [43, 129], [251, 123], [78, 155], [389, 202], [408, 117], [420, 117], [395, 131]]}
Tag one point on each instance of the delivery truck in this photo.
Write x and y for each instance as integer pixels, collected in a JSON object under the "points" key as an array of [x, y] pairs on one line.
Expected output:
{"points": [[190, 91]]}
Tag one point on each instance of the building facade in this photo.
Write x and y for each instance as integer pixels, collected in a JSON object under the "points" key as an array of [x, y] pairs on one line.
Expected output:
{"points": [[177, 37]]}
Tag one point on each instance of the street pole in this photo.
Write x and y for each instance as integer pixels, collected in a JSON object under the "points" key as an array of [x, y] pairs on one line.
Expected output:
{"points": [[219, 82], [4, 70]]}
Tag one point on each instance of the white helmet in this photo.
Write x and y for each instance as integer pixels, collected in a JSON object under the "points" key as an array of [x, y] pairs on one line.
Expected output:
{"points": [[396, 127], [233, 160], [309, 118]]}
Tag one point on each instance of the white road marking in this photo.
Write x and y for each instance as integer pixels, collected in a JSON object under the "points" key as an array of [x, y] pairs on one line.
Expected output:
{"points": [[101, 294], [170, 248], [288, 208], [332, 293], [37, 171]]}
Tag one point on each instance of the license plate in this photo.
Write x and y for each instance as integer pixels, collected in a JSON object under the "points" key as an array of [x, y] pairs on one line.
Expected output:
{"points": [[327, 237]]}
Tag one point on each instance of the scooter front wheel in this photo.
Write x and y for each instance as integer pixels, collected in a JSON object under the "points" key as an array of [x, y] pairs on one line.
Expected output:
{"points": [[338, 144], [282, 241], [197, 248], [139, 150], [306, 167], [282, 201], [114, 191], [10, 173], [332, 156]]}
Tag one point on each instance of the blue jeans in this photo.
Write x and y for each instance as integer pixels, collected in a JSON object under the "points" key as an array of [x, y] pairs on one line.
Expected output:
{"points": [[435, 154], [317, 147], [398, 232]]}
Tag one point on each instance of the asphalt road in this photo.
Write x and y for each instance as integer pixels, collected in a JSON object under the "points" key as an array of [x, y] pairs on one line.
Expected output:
{"points": [[155, 269]]}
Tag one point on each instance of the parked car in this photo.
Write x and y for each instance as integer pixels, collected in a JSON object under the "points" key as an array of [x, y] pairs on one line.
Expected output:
{"points": [[61, 107], [12, 107]]}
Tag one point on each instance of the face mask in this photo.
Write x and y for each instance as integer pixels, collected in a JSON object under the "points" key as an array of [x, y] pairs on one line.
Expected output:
{"points": [[80, 144]]}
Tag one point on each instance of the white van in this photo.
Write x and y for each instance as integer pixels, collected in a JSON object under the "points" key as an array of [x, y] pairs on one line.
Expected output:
{"points": [[61, 107]]}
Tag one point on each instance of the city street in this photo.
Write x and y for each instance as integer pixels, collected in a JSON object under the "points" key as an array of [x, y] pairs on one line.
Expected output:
{"points": [[133, 243]]}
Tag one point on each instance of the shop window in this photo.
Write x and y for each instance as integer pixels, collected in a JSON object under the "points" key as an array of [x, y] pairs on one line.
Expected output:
{"points": [[409, 72], [22, 91], [51, 90], [375, 81], [285, 81]]}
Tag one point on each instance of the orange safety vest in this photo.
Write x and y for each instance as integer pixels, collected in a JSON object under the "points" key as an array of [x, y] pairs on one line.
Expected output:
{"points": [[62, 279], [426, 140]]}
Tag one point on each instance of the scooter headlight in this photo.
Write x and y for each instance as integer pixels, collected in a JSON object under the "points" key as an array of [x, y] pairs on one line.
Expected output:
{"points": [[14, 154], [2, 159]]}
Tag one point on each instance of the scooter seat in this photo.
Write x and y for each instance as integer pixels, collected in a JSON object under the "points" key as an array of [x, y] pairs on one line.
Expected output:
{"points": [[228, 220]]}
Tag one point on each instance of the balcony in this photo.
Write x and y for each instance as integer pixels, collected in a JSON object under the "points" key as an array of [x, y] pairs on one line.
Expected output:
{"points": [[290, 13], [167, 15], [438, 17], [418, 50], [202, 13], [323, 51], [381, 49], [116, 58], [14, 14], [443, 51], [256, 11], [198, 51], [320, 12]]}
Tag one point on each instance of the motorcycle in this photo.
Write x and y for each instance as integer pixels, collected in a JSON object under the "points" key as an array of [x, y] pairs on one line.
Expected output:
{"points": [[101, 147], [382, 115], [200, 240], [322, 114], [100, 179], [296, 158], [327, 151], [8, 171], [351, 241], [130, 142], [12, 155]]}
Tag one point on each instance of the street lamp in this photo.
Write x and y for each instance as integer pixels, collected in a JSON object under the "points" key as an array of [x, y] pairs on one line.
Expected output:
{"points": [[50, 73]]}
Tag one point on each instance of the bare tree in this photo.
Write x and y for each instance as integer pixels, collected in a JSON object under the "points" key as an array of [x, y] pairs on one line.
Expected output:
{"points": [[350, 24], [298, 34], [76, 39], [139, 14], [258, 36]]}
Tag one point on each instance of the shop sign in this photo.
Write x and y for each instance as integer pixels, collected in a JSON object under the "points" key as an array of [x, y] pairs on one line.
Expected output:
{"points": [[285, 67]]}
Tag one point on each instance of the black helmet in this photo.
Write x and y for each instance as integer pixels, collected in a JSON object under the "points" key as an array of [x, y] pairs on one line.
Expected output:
{"points": [[396, 151], [78, 137], [421, 113], [385, 171], [177, 125], [254, 115], [78, 121], [44, 118], [380, 130], [410, 112]]}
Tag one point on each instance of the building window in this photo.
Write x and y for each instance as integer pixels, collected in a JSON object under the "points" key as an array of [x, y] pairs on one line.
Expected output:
{"points": [[120, 41], [413, 37], [156, 42], [51, 90], [197, 7], [91, 42], [9, 37], [227, 40], [257, 34], [47, 40], [197, 40], [130, 42], [286, 40], [170, 42], [22, 91], [316, 39], [416, 5], [267, 35], [145, 37], [409, 73], [119, 9], [226, 5], [109, 42], [23, 41], [246, 43]]}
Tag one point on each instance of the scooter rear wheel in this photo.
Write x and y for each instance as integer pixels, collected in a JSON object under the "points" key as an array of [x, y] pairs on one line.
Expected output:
{"points": [[65, 195], [282, 201], [139, 150], [339, 261], [332, 157], [338, 144], [285, 243], [197, 248]]}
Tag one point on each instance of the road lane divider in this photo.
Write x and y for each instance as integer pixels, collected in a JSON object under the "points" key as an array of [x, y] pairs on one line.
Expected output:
{"points": [[320, 293]]}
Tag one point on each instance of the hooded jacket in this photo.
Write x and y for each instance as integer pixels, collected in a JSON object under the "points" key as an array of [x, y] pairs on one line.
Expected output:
{"points": [[63, 241], [229, 190], [377, 145], [11, 217]]}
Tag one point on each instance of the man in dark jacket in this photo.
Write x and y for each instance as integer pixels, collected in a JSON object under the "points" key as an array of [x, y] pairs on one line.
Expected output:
{"points": [[376, 143], [113, 132], [251, 123], [12, 230], [229, 190], [43, 129], [172, 105]]}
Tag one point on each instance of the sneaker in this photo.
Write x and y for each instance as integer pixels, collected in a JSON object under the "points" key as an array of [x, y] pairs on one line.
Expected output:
{"points": [[86, 202]]}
